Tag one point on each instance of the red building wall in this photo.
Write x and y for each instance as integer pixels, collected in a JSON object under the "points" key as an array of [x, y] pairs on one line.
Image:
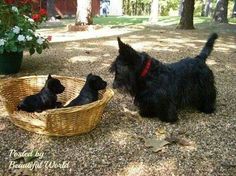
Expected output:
{"points": [[63, 7], [95, 7], [68, 7]]}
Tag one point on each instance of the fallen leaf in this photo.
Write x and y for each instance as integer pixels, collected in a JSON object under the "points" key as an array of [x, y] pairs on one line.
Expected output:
{"points": [[156, 144], [182, 131], [22, 172], [178, 140], [28, 159], [129, 111], [19, 160], [2, 126], [161, 130], [31, 158]]}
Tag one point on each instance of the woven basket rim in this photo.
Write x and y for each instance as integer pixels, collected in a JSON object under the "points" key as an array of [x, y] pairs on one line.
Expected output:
{"points": [[54, 122], [107, 95]]}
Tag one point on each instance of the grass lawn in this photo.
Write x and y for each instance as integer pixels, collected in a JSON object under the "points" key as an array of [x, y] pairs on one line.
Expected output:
{"points": [[133, 20], [120, 20], [166, 21]]}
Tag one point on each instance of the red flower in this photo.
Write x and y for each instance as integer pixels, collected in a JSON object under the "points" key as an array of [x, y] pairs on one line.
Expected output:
{"points": [[9, 1], [25, 1], [49, 38], [36, 17], [42, 12]]}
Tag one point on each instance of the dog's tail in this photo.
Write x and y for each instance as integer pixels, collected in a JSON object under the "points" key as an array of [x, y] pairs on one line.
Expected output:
{"points": [[206, 51]]}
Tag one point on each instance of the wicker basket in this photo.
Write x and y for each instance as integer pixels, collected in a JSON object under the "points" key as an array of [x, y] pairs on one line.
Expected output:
{"points": [[55, 122]]}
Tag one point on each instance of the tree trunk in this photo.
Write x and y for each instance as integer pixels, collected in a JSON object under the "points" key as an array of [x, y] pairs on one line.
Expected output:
{"points": [[51, 8], [128, 8], [203, 8], [84, 12], [206, 8], [234, 10], [221, 11], [154, 12], [180, 7], [186, 20]]}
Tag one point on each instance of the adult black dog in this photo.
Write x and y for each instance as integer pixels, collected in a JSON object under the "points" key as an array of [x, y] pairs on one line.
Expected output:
{"points": [[159, 90], [45, 99], [89, 92]]}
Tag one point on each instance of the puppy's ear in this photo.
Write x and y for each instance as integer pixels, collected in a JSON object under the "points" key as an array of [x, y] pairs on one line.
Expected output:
{"points": [[49, 76], [89, 75], [127, 51]]}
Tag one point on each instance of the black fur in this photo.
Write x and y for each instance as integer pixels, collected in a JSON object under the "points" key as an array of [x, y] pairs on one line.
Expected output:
{"points": [[45, 99], [167, 87], [89, 92]]}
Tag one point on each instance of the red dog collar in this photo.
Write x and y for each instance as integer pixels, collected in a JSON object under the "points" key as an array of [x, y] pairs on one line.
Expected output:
{"points": [[146, 68]]}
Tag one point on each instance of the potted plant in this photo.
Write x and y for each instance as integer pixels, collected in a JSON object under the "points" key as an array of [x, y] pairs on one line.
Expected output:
{"points": [[18, 23]]}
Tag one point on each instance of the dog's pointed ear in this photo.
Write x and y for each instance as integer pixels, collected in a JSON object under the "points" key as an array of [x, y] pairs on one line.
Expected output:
{"points": [[49, 76], [125, 50], [120, 43]]}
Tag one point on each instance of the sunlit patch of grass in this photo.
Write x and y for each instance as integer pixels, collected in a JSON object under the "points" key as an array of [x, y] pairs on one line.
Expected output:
{"points": [[163, 21], [198, 20], [232, 20], [120, 20]]}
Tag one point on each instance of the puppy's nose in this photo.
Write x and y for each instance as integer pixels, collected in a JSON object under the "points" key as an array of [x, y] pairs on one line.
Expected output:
{"points": [[63, 88], [105, 84]]}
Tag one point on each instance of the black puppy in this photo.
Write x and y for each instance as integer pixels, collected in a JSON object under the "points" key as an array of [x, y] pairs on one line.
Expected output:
{"points": [[159, 90], [89, 92], [45, 99]]}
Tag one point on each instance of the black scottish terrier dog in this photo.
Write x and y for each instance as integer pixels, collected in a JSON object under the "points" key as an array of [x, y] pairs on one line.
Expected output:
{"points": [[45, 99], [160, 90], [89, 92]]}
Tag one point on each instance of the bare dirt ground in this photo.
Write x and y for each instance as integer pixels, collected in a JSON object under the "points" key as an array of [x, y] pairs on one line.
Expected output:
{"points": [[115, 147]]}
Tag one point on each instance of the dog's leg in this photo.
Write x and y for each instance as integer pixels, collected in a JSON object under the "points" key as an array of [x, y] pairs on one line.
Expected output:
{"points": [[207, 101], [158, 105], [168, 113], [146, 112], [165, 114], [207, 93], [146, 108]]}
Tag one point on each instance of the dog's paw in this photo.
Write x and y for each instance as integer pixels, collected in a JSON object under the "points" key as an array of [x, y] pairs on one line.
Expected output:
{"points": [[147, 114]]}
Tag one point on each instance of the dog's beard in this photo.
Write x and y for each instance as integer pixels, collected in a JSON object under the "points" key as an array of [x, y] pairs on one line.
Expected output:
{"points": [[125, 89]]}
